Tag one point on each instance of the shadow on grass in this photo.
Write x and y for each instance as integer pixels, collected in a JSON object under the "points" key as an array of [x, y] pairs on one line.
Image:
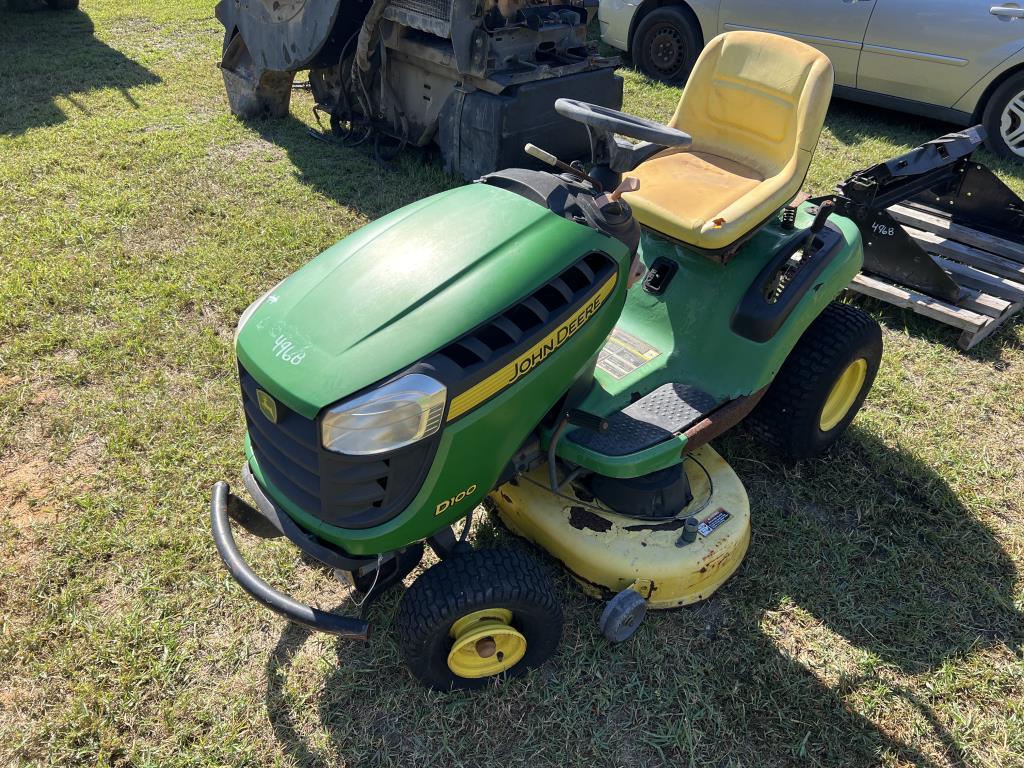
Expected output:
{"points": [[870, 542], [880, 549], [852, 123], [48, 55], [989, 350], [349, 174]]}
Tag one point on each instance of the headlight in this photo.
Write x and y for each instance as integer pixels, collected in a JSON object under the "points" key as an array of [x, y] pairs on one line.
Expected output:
{"points": [[397, 414], [247, 313]]}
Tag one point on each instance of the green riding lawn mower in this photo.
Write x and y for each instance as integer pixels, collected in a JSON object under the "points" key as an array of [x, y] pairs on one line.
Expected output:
{"points": [[566, 344]]}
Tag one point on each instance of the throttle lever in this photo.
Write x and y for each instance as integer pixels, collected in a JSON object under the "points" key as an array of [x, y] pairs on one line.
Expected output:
{"points": [[628, 184]]}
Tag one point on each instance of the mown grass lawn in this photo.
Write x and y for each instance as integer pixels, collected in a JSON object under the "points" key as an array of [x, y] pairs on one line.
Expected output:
{"points": [[877, 619]]}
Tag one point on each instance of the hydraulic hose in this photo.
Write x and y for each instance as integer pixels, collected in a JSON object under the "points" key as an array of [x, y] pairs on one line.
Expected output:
{"points": [[367, 33]]}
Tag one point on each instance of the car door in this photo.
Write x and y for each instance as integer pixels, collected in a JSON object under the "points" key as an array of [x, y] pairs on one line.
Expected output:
{"points": [[835, 27], [935, 50]]}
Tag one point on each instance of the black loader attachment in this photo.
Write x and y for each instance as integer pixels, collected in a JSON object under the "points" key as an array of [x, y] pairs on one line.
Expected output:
{"points": [[943, 235]]}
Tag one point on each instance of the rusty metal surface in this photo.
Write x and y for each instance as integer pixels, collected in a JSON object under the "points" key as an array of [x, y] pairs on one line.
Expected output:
{"points": [[386, 70], [721, 420], [282, 35], [607, 552]]}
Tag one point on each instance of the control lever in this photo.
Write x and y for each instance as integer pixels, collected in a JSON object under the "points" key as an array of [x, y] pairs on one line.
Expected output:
{"points": [[628, 184], [546, 157], [825, 210], [587, 420]]}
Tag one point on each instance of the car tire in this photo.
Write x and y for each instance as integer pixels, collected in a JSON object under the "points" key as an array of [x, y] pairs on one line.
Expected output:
{"points": [[821, 385], [666, 44], [1003, 118]]}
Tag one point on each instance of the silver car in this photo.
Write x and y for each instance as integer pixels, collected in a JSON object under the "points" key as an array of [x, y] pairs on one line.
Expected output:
{"points": [[956, 60]]}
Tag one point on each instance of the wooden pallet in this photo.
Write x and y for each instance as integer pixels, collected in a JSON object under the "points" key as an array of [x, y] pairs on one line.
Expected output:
{"points": [[990, 270]]}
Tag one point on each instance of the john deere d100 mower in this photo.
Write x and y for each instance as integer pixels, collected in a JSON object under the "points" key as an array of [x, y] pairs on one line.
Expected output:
{"points": [[567, 342]]}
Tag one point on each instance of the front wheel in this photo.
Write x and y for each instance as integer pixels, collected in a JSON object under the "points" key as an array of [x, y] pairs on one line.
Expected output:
{"points": [[478, 616], [1004, 119], [666, 44], [822, 384]]}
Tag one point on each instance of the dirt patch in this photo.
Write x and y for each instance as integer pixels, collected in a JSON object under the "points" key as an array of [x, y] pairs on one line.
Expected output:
{"points": [[35, 490], [154, 242], [48, 396], [211, 318], [33, 482], [254, 148], [709, 617], [23, 490]]}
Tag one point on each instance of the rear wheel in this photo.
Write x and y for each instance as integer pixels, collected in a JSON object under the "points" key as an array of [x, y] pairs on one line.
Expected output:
{"points": [[1003, 118], [822, 384], [666, 44], [477, 616]]}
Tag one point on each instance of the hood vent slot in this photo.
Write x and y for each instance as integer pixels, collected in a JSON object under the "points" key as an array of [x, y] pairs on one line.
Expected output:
{"points": [[528, 318]]}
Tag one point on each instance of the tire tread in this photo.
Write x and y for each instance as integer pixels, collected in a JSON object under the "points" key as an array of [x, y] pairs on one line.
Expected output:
{"points": [[462, 584], [789, 402]]}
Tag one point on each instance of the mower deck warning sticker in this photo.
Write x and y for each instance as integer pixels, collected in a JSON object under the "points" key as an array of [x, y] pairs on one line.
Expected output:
{"points": [[712, 522], [623, 353]]}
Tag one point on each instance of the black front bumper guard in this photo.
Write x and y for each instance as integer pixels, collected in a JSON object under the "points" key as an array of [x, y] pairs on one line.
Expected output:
{"points": [[268, 522]]}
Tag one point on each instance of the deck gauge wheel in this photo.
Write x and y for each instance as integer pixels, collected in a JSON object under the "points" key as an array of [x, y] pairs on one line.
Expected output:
{"points": [[623, 615]]}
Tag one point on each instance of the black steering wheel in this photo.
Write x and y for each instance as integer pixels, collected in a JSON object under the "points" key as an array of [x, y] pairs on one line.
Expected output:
{"points": [[612, 121]]}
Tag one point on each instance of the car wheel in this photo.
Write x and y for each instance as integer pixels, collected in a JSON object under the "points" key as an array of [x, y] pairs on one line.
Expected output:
{"points": [[666, 44], [1004, 119]]}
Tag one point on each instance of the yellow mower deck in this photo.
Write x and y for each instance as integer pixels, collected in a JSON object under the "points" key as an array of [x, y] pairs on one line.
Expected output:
{"points": [[606, 552]]}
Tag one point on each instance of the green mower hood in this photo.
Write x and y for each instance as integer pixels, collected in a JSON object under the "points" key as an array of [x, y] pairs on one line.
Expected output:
{"points": [[403, 287]]}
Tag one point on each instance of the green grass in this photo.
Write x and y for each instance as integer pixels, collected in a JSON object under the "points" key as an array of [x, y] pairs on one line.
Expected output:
{"points": [[876, 620]]}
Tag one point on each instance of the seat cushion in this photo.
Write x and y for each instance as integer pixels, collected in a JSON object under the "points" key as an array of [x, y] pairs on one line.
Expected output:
{"points": [[680, 192], [754, 105]]}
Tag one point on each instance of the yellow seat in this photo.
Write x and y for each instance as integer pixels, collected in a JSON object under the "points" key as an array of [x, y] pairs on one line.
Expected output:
{"points": [[754, 105]]}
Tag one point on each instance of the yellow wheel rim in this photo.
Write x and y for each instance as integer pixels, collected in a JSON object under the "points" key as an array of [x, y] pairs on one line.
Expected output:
{"points": [[485, 644], [844, 394]]}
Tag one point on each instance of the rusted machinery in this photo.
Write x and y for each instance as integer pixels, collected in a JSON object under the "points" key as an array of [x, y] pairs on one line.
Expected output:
{"points": [[475, 77]]}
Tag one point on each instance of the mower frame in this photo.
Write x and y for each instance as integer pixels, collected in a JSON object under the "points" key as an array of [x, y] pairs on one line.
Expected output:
{"points": [[314, 618]]}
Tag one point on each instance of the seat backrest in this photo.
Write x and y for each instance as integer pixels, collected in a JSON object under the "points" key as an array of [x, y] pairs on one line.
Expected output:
{"points": [[758, 99]]}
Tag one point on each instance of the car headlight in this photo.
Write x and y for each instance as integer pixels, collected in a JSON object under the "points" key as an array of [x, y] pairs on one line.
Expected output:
{"points": [[397, 414], [248, 311]]}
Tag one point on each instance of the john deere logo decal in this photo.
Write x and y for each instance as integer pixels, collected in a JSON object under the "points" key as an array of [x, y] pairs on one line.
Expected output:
{"points": [[267, 404], [533, 357]]}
